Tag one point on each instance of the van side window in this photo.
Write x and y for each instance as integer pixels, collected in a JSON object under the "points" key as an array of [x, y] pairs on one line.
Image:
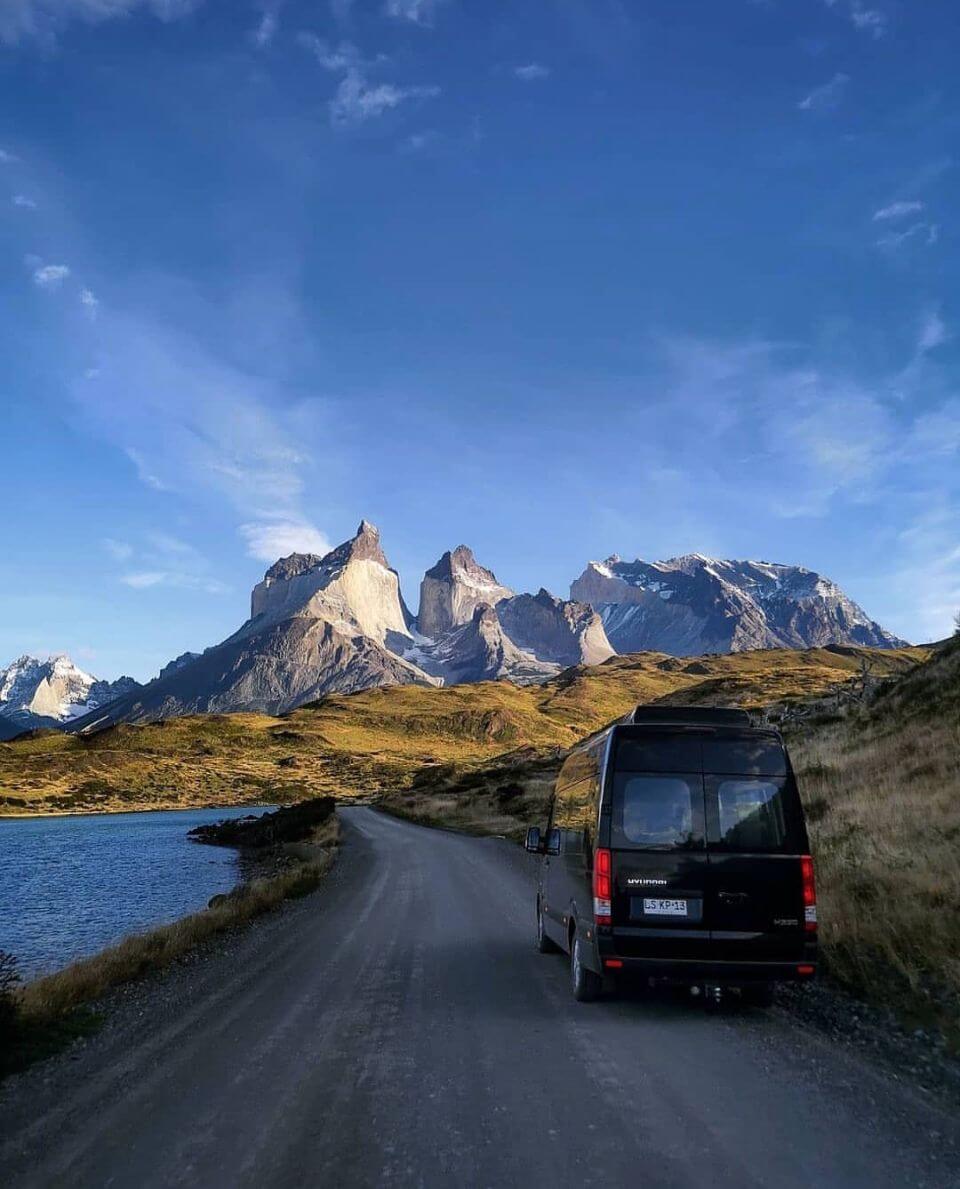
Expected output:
{"points": [[576, 801]]}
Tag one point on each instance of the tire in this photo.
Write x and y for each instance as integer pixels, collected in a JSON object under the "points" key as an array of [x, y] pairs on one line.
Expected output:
{"points": [[757, 994], [544, 944], [585, 983]]}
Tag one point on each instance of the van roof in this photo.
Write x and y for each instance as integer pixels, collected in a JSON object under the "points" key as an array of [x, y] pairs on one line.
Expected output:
{"points": [[688, 716]]}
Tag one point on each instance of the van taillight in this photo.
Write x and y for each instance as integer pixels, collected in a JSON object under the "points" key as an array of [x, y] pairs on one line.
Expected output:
{"points": [[602, 885], [809, 894]]}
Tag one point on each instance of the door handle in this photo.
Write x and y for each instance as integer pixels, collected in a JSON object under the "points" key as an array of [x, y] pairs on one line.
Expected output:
{"points": [[733, 897]]}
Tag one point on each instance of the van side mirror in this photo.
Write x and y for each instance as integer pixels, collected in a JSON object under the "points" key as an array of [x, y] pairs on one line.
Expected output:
{"points": [[532, 843], [552, 846]]}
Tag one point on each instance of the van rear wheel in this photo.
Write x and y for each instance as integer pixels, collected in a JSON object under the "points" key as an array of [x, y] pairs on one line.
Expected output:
{"points": [[544, 944], [586, 984]]}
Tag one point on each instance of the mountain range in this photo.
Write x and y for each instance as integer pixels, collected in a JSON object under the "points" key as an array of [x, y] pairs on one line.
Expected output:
{"points": [[51, 692], [338, 624]]}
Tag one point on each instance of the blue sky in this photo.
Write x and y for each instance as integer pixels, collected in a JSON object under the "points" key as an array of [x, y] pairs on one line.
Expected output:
{"points": [[556, 279]]}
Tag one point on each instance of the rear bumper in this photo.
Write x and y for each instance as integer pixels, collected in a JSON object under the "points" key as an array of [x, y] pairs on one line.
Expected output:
{"points": [[698, 970]]}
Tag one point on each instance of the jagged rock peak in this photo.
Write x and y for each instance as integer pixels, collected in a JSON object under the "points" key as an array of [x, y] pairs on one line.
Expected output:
{"points": [[289, 567], [364, 546], [461, 561], [453, 588]]}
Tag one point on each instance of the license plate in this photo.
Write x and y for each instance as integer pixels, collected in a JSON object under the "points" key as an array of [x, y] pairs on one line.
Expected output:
{"points": [[664, 908]]}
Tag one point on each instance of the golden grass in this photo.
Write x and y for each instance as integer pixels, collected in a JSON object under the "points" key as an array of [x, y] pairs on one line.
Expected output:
{"points": [[882, 790], [375, 742], [88, 979]]}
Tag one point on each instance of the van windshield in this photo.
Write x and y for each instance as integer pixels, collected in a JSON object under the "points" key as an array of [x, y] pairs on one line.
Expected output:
{"points": [[660, 812]]}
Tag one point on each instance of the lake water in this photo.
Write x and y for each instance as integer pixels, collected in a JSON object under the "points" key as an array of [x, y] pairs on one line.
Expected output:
{"points": [[70, 886]]}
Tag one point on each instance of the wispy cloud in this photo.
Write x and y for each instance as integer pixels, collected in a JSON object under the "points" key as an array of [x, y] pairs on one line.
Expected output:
{"points": [[337, 59], [118, 550], [268, 540], [872, 21], [7, 158], [23, 201], [144, 473], [827, 97], [420, 12], [89, 302], [144, 579], [897, 210], [933, 332], [531, 72], [924, 234], [45, 19], [50, 276], [357, 99], [416, 142], [266, 30], [163, 560]]}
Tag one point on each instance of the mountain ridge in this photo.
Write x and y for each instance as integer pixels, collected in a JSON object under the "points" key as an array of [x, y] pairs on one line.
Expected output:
{"points": [[337, 623]]}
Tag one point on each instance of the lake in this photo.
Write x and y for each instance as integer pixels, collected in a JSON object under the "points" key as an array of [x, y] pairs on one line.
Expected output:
{"points": [[70, 886]]}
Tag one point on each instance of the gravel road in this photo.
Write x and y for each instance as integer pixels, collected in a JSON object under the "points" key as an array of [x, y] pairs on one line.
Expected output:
{"points": [[398, 1028]]}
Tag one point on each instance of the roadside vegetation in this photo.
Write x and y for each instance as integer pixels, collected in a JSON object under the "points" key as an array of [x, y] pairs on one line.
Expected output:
{"points": [[40, 1017], [881, 784]]}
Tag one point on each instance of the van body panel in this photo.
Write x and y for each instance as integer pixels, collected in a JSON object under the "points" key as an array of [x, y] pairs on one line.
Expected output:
{"points": [[705, 830]]}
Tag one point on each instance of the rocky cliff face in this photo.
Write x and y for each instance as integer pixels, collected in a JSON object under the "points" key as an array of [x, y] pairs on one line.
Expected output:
{"points": [[482, 651], [566, 633], [695, 604], [352, 587], [452, 590], [37, 692]]}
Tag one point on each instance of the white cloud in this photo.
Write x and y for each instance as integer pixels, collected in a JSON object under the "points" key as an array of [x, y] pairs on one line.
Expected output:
{"points": [[265, 32], [7, 158], [23, 201], [357, 100], [44, 19], [268, 540], [827, 97], [531, 72], [897, 210], [420, 12], [89, 302], [50, 276]]}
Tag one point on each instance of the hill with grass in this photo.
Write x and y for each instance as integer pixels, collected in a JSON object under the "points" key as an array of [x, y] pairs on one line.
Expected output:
{"points": [[390, 741]]}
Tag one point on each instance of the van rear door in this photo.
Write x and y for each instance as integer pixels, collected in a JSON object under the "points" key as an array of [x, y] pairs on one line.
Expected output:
{"points": [[658, 845], [755, 837]]}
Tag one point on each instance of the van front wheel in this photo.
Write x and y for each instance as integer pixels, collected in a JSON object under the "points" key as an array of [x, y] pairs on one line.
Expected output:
{"points": [[544, 944], [586, 984]]}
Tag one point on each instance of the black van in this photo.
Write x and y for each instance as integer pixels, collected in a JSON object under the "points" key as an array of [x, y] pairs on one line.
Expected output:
{"points": [[677, 849]]}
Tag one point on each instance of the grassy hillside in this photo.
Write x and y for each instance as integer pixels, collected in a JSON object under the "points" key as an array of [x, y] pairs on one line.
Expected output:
{"points": [[378, 741], [882, 791]]}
